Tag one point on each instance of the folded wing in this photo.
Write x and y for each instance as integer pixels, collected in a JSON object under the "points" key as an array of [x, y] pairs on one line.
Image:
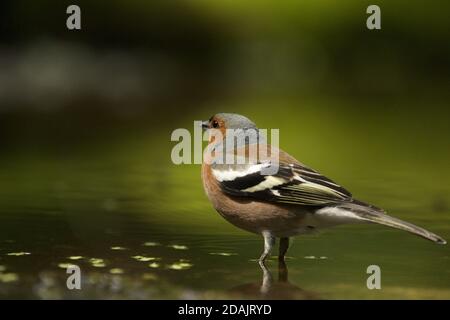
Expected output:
{"points": [[293, 183]]}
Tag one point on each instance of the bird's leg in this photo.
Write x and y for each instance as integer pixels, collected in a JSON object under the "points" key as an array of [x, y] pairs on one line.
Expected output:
{"points": [[269, 242], [284, 245]]}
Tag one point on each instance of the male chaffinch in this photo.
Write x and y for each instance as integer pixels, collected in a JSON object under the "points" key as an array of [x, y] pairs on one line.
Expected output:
{"points": [[292, 201]]}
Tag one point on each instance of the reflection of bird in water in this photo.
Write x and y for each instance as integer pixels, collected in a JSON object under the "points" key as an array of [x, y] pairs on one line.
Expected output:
{"points": [[269, 288]]}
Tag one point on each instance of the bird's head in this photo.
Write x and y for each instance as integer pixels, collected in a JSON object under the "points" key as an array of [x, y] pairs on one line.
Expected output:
{"points": [[224, 121]]}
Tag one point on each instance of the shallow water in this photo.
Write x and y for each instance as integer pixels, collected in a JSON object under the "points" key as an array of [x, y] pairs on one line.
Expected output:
{"points": [[140, 227]]}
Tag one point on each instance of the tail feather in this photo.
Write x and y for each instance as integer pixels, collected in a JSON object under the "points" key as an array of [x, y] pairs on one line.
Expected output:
{"points": [[376, 215]]}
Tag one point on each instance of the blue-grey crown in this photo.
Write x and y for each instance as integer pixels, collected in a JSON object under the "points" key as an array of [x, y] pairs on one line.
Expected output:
{"points": [[236, 121]]}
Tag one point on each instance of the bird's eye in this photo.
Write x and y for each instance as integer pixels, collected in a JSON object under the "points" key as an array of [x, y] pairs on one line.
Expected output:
{"points": [[215, 124]]}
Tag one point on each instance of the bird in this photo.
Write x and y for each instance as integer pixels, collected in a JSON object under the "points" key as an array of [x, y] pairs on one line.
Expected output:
{"points": [[292, 200]]}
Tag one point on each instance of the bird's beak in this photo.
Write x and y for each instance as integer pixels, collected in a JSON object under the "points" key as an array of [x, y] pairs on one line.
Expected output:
{"points": [[205, 124]]}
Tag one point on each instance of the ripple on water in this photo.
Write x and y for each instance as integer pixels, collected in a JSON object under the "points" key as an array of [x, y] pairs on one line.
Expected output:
{"points": [[116, 271], [224, 254], [178, 247], [8, 277], [118, 248], [18, 254], [97, 262], [151, 244], [154, 265], [75, 257], [314, 257], [145, 258], [182, 264]]}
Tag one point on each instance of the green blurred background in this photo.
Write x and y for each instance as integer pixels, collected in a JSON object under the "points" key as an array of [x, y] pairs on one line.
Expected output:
{"points": [[86, 118]]}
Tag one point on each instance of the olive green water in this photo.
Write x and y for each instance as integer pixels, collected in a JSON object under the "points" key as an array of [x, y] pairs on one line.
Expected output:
{"points": [[140, 227]]}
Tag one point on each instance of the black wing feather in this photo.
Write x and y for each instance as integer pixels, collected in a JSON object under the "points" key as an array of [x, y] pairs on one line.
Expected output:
{"points": [[292, 184]]}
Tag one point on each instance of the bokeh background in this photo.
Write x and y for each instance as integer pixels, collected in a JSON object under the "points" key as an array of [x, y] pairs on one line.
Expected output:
{"points": [[86, 118]]}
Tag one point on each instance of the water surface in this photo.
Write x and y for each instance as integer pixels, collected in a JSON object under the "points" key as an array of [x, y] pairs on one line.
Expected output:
{"points": [[140, 227]]}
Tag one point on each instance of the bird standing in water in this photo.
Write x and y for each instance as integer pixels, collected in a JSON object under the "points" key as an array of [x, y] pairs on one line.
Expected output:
{"points": [[292, 201]]}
